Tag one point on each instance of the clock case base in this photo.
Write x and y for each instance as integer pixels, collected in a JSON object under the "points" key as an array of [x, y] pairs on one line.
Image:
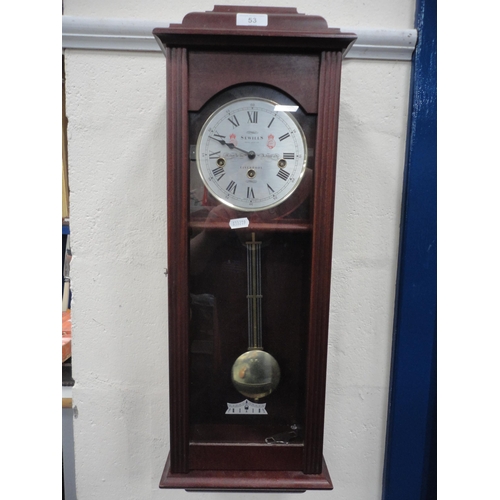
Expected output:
{"points": [[270, 481]]}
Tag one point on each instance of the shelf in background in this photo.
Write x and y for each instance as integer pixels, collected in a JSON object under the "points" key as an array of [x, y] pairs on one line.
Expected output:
{"points": [[66, 335]]}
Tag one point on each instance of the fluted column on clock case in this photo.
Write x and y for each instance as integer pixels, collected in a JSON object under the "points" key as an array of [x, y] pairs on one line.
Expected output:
{"points": [[177, 245], [324, 204]]}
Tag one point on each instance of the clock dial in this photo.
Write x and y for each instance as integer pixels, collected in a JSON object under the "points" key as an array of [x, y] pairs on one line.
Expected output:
{"points": [[251, 155]]}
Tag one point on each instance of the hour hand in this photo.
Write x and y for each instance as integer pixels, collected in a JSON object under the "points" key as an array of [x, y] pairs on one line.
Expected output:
{"points": [[230, 145], [223, 142]]}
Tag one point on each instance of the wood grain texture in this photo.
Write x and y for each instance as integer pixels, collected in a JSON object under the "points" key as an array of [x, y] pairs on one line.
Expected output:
{"points": [[262, 480], [245, 457], [324, 203], [287, 31], [220, 70], [292, 226], [177, 245]]}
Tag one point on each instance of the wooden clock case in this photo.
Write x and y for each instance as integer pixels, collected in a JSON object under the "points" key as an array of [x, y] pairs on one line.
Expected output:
{"points": [[300, 58]]}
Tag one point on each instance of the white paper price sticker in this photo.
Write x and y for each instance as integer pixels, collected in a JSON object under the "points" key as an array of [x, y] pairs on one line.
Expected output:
{"points": [[237, 223], [251, 19]]}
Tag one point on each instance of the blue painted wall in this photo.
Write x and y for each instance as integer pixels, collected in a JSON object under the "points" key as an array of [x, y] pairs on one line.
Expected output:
{"points": [[410, 463]]}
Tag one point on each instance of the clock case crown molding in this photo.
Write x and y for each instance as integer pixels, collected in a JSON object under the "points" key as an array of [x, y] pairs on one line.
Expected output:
{"points": [[92, 33]]}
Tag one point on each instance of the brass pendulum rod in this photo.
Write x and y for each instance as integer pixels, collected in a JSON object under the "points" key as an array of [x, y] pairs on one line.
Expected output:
{"points": [[254, 293], [255, 373]]}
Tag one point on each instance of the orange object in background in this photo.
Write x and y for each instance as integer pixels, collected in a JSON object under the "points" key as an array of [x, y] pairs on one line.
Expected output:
{"points": [[66, 335]]}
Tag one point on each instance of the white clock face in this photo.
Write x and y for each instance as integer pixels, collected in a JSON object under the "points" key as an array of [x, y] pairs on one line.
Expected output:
{"points": [[250, 154]]}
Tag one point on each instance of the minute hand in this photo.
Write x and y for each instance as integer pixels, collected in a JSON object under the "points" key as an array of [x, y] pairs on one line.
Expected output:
{"points": [[230, 145]]}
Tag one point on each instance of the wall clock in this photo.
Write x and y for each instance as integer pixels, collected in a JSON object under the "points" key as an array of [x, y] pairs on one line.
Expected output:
{"points": [[252, 121]]}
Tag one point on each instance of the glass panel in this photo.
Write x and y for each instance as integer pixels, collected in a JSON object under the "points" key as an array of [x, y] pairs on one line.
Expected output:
{"points": [[249, 289]]}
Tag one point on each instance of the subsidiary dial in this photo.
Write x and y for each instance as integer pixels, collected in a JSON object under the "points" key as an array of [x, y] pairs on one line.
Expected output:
{"points": [[251, 155]]}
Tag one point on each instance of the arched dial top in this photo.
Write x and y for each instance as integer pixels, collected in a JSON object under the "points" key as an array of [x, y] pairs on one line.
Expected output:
{"points": [[251, 154]]}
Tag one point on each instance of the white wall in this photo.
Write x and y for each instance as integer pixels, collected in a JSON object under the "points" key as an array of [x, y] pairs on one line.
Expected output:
{"points": [[116, 111]]}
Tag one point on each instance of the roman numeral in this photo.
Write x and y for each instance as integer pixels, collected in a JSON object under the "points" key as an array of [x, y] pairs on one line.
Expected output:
{"points": [[289, 156], [234, 121], [270, 123], [221, 136], [270, 189], [284, 136], [231, 187], [252, 116], [283, 174], [250, 193], [218, 171], [215, 154]]}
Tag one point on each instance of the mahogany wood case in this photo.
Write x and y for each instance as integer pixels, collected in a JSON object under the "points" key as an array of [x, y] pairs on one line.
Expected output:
{"points": [[301, 57]]}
